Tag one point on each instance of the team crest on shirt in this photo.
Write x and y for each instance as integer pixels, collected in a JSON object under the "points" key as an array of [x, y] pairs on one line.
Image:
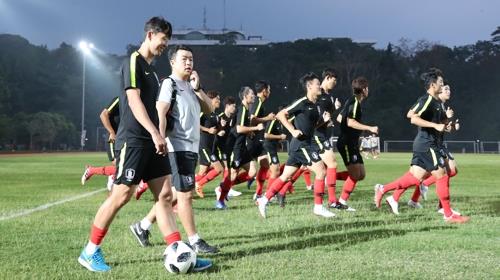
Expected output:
{"points": [[187, 180], [354, 158], [274, 160], [315, 156], [129, 174], [213, 158]]}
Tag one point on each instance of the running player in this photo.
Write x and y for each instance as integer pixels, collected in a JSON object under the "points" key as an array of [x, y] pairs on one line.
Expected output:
{"points": [[209, 155], [307, 114], [348, 142], [241, 158], [427, 115]]}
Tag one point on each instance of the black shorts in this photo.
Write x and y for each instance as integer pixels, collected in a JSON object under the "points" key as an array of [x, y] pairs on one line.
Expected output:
{"points": [[349, 152], [256, 149], [321, 144], [208, 157], [136, 164], [272, 152], [239, 158], [429, 160], [303, 156], [110, 150], [183, 169]]}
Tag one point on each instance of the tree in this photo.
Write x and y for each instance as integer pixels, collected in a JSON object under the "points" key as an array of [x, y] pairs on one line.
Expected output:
{"points": [[496, 35]]}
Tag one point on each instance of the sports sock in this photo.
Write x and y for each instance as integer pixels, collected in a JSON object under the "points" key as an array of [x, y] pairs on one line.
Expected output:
{"points": [[212, 174], [319, 191], [403, 182], [331, 181], [349, 186], [443, 192], [342, 175], [96, 236], [171, 238], [307, 177], [193, 238], [145, 224], [274, 188]]}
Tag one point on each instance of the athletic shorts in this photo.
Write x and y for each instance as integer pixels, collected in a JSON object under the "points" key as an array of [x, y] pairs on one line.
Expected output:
{"points": [[349, 152], [256, 149], [272, 152], [429, 160], [321, 145], [110, 150], [208, 157], [303, 156], [183, 169], [240, 157], [136, 164]]}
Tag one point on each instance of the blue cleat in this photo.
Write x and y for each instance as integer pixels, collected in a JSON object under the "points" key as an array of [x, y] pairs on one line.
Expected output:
{"points": [[220, 205], [94, 262], [202, 264]]}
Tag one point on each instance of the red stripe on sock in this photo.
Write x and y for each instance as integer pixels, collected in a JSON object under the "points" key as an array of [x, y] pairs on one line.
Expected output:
{"points": [[171, 238], [97, 235]]}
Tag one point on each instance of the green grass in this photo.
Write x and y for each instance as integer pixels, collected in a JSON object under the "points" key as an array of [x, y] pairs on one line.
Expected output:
{"points": [[291, 244]]}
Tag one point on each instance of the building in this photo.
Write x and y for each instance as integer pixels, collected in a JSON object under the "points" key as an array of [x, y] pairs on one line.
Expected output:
{"points": [[211, 37]]}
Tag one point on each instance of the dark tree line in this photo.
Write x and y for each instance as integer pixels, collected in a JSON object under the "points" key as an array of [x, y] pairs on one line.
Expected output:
{"points": [[40, 89]]}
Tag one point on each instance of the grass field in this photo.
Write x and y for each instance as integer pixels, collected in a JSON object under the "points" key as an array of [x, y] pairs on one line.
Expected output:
{"points": [[291, 244]]}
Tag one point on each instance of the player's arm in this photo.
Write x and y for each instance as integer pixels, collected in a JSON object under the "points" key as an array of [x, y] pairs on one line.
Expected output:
{"points": [[162, 109], [418, 121], [282, 116], [240, 124], [141, 115], [205, 101], [104, 116]]}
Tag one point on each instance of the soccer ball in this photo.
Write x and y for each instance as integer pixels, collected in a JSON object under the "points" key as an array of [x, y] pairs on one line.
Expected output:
{"points": [[179, 258]]}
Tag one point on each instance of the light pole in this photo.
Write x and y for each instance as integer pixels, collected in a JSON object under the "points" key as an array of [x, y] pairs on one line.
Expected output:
{"points": [[85, 48]]}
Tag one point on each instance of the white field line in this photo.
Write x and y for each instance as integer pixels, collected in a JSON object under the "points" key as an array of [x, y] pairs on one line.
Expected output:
{"points": [[46, 206]]}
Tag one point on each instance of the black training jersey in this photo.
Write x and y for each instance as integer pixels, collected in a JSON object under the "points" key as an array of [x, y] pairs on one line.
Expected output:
{"points": [[242, 119], [351, 110], [114, 113], [326, 103], [273, 127], [258, 110], [137, 73], [444, 119], [225, 123], [429, 109], [208, 121], [305, 116]]}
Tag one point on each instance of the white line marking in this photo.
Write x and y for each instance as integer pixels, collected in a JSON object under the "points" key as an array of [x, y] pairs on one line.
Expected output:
{"points": [[48, 205]]}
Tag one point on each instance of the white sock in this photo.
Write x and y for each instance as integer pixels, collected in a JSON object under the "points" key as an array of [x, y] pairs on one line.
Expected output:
{"points": [[193, 238], [263, 199], [145, 224], [318, 206], [91, 248], [341, 201]]}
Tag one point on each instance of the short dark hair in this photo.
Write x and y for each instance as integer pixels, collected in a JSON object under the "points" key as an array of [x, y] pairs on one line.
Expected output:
{"points": [[261, 85], [307, 78], [212, 94], [229, 100], [358, 85], [173, 51], [158, 24], [243, 92], [329, 72], [431, 76]]}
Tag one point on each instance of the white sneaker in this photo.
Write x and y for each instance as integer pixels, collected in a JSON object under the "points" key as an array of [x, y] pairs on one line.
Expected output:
{"points": [[110, 182], [322, 211], [217, 193], [233, 193], [394, 204], [441, 211], [423, 191], [261, 204], [413, 204]]}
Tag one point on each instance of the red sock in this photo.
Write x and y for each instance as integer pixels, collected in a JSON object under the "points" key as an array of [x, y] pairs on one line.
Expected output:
{"points": [[416, 194], [261, 178], [171, 238], [197, 177], [212, 174], [226, 185], [398, 193], [331, 181], [452, 173], [307, 177], [443, 192], [103, 170], [319, 191], [349, 186], [97, 235], [274, 188], [242, 177], [270, 181], [296, 175], [342, 175], [403, 182], [429, 181]]}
